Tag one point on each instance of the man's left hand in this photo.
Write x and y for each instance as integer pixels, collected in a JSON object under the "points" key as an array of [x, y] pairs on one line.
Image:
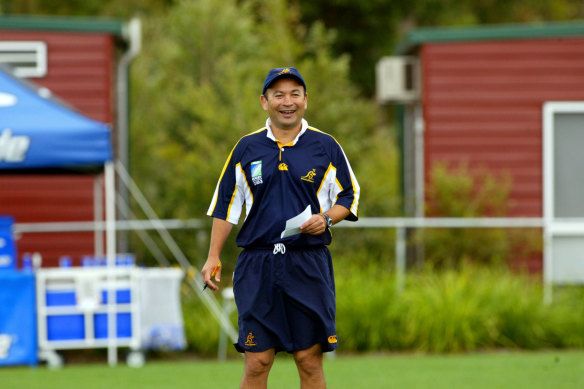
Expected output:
{"points": [[314, 226]]}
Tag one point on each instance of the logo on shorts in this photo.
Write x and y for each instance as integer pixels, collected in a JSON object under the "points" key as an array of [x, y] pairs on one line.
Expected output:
{"points": [[309, 176], [256, 172], [250, 340], [332, 339]]}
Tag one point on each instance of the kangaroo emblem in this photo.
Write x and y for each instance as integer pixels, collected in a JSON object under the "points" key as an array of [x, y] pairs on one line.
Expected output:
{"points": [[309, 176]]}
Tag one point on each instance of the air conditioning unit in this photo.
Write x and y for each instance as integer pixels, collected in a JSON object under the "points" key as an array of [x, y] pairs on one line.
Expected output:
{"points": [[24, 58], [397, 79]]}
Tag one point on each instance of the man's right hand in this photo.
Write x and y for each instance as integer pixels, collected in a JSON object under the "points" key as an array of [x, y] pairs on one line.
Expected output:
{"points": [[212, 268]]}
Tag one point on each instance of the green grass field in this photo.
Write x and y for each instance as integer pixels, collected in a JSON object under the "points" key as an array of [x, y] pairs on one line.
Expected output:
{"points": [[516, 370]]}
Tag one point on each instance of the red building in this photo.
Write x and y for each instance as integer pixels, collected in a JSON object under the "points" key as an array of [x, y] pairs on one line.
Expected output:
{"points": [[78, 61], [479, 95]]}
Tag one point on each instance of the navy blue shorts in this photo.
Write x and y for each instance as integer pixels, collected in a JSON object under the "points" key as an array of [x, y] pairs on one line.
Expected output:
{"points": [[285, 301]]}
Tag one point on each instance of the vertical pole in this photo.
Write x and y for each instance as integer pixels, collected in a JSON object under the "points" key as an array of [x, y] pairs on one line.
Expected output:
{"points": [[419, 151], [548, 198], [400, 258], [227, 308], [133, 35], [110, 216], [547, 267], [98, 247], [419, 160]]}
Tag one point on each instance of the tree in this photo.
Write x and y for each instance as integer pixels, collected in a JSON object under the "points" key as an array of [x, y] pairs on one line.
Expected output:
{"points": [[196, 89], [93, 8], [370, 29], [366, 30]]}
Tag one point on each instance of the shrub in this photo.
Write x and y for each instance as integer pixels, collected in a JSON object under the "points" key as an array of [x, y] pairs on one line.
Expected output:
{"points": [[459, 191], [201, 329], [451, 311], [473, 308]]}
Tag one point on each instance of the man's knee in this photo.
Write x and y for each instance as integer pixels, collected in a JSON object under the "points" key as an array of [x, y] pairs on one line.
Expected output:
{"points": [[258, 363], [309, 361]]}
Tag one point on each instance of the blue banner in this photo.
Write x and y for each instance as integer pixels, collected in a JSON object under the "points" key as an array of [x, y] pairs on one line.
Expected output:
{"points": [[7, 246], [18, 329]]}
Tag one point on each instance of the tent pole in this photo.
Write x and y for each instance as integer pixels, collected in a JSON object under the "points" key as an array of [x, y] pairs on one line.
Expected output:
{"points": [[98, 244], [110, 219]]}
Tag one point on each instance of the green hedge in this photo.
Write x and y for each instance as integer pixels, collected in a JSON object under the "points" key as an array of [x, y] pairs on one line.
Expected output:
{"points": [[449, 311], [473, 308]]}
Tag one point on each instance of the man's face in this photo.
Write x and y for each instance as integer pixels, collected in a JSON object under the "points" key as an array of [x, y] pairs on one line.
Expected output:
{"points": [[285, 102]]}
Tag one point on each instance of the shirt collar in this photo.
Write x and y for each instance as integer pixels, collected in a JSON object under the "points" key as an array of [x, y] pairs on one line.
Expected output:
{"points": [[270, 134]]}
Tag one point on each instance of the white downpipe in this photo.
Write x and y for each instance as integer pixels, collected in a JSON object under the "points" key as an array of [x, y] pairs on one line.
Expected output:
{"points": [[400, 259], [110, 219], [420, 179], [419, 128], [133, 35]]}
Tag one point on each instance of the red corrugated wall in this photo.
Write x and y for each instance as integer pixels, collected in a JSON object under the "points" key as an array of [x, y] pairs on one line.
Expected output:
{"points": [[80, 72], [483, 104]]}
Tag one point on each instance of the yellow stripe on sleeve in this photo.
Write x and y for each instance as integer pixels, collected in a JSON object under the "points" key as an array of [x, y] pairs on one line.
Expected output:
{"points": [[231, 202], [221, 178], [324, 178]]}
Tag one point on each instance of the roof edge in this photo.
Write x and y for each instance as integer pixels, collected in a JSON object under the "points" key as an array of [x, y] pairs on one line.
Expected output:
{"points": [[62, 23], [423, 35]]}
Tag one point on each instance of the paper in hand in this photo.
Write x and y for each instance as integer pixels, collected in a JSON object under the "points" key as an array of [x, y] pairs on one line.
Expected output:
{"points": [[293, 224]]}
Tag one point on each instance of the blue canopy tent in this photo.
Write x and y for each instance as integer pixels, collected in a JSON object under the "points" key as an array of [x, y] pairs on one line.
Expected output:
{"points": [[40, 133], [37, 131]]}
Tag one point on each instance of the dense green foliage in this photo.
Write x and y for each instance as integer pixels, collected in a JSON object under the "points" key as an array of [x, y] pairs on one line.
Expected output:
{"points": [[476, 308], [459, 191], [370, 29], [196, 83], [366, 30], [196, 92], [472, 309]]}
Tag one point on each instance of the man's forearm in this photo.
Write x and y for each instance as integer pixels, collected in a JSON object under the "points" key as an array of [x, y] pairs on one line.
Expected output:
{"points": [[219, 234], [338, 213]]}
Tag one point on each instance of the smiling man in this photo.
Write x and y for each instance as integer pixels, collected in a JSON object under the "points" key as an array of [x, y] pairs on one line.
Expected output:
{"points": [[284, 285]]}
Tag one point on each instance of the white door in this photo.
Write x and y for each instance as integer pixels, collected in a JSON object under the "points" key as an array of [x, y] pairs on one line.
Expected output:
{"points": [[563, 180]]}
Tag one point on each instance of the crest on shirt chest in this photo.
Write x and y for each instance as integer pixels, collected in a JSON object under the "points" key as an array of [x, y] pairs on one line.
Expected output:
{"points": [[256, 172]]}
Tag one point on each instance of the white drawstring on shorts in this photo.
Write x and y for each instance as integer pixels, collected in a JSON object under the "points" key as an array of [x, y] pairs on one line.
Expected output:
{"points": [[279, 248]]}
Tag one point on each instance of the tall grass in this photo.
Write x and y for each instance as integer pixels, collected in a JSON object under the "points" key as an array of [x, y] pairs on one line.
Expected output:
{"points": [[473, 308], [450, 311]]}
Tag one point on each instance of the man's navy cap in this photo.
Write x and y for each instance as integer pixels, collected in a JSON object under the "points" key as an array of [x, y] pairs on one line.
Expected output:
{"points": [[278, 73]]}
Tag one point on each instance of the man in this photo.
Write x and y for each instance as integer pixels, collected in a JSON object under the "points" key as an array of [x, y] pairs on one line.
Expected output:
{"points": [[283, 285]]}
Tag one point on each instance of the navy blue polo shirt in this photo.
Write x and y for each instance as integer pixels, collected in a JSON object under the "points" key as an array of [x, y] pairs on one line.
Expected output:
{"points": [[276, 182]]}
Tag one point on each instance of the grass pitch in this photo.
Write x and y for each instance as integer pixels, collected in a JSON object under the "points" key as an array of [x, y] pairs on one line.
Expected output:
{"points": [[514, 370]]}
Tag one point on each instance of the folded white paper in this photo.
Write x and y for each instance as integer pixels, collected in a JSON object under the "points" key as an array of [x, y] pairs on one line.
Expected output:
{"points": [[293, 224]]}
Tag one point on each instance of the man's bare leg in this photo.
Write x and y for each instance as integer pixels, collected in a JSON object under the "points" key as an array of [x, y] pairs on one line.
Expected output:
{"points": [[309, 364], [257, 368]]}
